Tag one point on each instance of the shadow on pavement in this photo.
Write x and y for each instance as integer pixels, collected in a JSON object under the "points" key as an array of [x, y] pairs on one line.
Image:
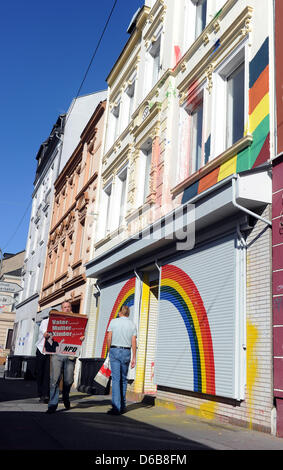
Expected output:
{"points": [[65, 430], [17, 389], [78, 430]]}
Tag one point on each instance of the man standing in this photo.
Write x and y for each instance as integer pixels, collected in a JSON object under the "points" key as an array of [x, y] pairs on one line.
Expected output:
{"points": [[61, 364], [121, 338]]}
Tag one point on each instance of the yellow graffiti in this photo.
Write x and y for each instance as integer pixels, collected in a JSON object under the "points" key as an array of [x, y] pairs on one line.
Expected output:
{"points": [[205, 410], [252, 367]]}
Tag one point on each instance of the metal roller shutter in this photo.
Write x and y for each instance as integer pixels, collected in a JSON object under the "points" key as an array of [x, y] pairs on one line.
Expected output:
{"points": [[196, 340], [112, 297]]}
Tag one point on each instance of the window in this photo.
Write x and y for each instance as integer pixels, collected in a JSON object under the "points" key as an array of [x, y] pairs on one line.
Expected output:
{"points": [[114, 125], [196, 137], [146, 156], [191, 140], [9, 339], [153, 65], [201, 7], [155, 54], [130, 93], [235, 105], [229, 102], [107, 193], [116, 113], [122, 186]]}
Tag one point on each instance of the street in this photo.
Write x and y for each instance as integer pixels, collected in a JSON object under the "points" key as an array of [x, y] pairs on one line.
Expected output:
{"points": [[86, 427]]}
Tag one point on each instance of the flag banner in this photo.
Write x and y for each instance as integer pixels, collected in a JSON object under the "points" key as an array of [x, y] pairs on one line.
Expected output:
{"points": [[103, 375], [65, 333]]}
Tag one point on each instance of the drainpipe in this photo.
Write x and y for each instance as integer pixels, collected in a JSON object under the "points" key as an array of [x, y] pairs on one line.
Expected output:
{"points": [[97, 287], [235, 204]]}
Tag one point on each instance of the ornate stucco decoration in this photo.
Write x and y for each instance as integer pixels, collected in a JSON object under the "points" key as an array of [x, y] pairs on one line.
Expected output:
{"points": [[209, 75]]}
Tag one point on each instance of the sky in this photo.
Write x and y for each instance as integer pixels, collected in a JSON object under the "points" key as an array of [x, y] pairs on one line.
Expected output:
{"points": [[46, 48]]}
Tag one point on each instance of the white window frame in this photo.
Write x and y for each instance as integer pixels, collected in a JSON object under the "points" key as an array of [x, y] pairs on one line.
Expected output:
{"points": [[104, 222], [127, 104], [193, 156], [153, 73], [186, 165], [190, 22], [198, 16], [144, 171], [219, 98], [113, 124], [121, 192]]}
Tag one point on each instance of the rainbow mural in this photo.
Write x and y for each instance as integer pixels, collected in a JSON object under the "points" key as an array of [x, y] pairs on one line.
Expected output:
{"points": [[179, 289], [258, 126], [126, 296]]}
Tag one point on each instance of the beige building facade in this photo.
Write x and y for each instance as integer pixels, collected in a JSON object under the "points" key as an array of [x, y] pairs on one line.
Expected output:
{"points": [[11, 270], [72, 219]]}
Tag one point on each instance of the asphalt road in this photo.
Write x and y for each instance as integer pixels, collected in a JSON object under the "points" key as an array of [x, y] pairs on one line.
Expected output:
{"points": [[87, 432]]}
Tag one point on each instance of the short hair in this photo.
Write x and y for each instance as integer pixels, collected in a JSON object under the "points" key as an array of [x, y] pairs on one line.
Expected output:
{"points": [[125, 310], [66, 302]]}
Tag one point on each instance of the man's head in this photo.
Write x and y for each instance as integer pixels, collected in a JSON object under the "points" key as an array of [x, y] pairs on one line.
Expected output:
{"points": [[124, 311], [66, 307]]}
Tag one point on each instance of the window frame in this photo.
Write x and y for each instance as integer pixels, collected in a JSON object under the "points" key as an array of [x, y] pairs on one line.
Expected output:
{"points": [[224, 70], [145, 166], [199, 15]]}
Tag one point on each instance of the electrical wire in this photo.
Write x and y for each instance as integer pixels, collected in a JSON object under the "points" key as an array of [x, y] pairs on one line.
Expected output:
{"points": [[78, 92], [92, 58], [18, 226]]}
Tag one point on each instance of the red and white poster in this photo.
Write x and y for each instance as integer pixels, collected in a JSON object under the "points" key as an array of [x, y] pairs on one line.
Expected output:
{"points": [[65, 332]]}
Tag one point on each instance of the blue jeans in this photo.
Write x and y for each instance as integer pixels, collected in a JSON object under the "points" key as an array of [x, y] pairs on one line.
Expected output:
{"points": [[119, 361], [60, 364]]}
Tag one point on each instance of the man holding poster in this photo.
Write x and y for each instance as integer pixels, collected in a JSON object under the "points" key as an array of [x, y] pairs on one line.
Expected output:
{"points": [[63, 339]]}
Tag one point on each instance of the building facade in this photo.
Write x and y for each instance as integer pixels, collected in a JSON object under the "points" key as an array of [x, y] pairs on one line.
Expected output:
{"points": [[73, 218], [48, 161], [184, 233], [10, 272]]}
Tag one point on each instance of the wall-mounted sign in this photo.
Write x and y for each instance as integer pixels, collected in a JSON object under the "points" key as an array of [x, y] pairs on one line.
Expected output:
{"points": [[6, 300], [10, 287]]}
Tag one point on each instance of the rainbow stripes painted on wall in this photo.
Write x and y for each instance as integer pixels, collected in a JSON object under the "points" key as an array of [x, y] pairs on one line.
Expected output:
{"points": [[179, 289], [126, 296], [258, 126]]}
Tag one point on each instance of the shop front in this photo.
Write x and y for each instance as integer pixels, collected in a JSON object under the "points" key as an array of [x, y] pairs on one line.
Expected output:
{"points": [[189, 304]]}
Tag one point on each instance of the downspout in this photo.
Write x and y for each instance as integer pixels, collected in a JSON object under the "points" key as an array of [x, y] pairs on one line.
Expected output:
{"points": [[242, 310], [235, 204]]}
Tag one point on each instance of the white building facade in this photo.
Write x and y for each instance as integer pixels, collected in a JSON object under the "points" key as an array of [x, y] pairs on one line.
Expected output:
{"points": [[189, 137], [26, 320]]}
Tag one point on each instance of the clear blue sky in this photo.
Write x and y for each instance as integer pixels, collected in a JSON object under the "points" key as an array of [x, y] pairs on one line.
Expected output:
{"points": [[46, 47]]}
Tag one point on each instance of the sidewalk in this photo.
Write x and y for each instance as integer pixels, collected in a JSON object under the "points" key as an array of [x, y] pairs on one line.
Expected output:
{"points": [[87, 427]]}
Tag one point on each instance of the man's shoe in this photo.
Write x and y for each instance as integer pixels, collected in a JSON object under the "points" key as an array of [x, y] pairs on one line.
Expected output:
{"points": [[67, 405], [113, 412], [51, 410]]}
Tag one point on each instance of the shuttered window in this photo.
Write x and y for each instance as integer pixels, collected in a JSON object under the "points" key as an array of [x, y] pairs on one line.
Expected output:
{"points": [[113, 296], [199, 323]]}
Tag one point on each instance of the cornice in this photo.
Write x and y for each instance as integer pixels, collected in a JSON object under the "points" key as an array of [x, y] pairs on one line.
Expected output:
{"points": [[132, 41], [235, 33], [122, 156]]}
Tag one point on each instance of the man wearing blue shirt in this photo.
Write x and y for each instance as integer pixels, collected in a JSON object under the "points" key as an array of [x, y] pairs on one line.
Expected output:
{"points": [[121, 339]]}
